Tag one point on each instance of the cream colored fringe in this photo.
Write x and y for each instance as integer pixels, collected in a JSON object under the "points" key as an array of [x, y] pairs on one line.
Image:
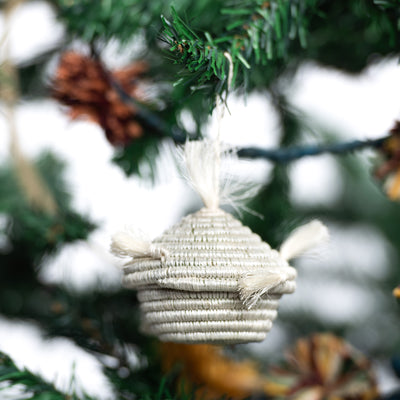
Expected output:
{"points": [[207, 168], [256, 284], [131, 243]]}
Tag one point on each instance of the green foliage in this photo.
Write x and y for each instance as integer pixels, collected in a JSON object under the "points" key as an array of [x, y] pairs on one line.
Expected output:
{"points": [[31, 74], [106, 19], [387, 3], [121, 20], [256, 32], [30, 384], [31, 233], [138, 157], [101, 322], [149, 384], [352, 34]]}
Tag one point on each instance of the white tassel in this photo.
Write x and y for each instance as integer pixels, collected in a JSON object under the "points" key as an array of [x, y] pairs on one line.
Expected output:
{"points": [[202, 161], [255, 284], [303, 239], [209, 173], [134, 244]]}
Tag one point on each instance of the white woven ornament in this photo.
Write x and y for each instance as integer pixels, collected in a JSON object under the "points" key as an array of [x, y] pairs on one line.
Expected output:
{"points": [[209, 279]]}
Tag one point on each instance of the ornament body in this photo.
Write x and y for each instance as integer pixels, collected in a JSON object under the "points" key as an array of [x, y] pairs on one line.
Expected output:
{"points": [[192, 292], [209, 279]]}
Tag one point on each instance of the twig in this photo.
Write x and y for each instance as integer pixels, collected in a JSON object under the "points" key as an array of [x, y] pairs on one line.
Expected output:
{"points": [[279, 155], [150, 118], [286, 155]]}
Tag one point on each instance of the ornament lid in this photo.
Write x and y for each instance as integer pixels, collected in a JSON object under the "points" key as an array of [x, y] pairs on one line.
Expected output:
{"points": [[208, 251]]}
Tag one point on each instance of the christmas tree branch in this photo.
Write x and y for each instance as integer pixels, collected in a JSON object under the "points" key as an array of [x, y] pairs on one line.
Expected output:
{"points": [[105, 324], [286, 155], [30, 384], [255, 33], [104, 20], [386, 3], [280, 155]]}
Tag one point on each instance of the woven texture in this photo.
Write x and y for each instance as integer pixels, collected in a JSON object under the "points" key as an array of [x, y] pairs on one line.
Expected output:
{"points": [[191, 294], [204, 317]]}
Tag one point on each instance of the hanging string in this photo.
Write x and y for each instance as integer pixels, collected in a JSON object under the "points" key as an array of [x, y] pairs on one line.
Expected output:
{"points": [[220, 110], [230, 73], [221, 103]]}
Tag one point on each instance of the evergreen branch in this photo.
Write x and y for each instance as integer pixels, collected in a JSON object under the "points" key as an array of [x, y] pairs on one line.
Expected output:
{"points": [[385, 4], [279, 156], [106, 20], [32, 233], [256, 32], [31, 383], [203, 57], [390, 7], [286, 155]]}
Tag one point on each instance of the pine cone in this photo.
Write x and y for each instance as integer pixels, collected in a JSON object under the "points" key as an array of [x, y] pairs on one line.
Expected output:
{"points": [[82, 84], [324, 367]]}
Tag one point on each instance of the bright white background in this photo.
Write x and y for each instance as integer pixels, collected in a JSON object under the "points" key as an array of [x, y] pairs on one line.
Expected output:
{"points": [[358, 107]]}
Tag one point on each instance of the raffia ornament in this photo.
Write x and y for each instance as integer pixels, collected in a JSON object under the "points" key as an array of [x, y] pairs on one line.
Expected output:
{"points": [[209, 279]]}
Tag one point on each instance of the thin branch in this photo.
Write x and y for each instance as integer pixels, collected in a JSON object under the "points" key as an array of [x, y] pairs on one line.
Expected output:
{"points": [[286, 155], [279, 155], [150, 118]]}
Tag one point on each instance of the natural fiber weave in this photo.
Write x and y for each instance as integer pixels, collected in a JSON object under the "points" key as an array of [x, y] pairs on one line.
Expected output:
{"points": [[209, 279], [191, 292], [196, 317]]}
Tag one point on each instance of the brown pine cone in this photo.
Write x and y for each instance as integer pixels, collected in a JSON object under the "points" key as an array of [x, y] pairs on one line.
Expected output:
{"points": [[82, 84]]}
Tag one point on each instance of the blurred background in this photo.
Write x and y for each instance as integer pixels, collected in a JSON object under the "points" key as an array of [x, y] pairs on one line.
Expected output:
{"points": [[64, 315]]}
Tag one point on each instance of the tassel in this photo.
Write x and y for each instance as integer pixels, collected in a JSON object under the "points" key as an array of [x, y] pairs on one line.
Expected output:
{"points": [[255, 284], [208, 170], [303, 239], [202, 159], [134, 244]]}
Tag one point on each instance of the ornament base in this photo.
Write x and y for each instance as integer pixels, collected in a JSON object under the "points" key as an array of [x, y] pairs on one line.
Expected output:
{"points": [[205, 317]]}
